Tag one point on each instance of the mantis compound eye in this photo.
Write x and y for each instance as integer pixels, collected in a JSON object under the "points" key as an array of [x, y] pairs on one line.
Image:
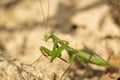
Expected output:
{"points": [[47, 36]]}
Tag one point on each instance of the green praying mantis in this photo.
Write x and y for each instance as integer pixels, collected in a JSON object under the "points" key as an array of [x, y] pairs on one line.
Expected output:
{"points": [[60, 45], [74, 54]]}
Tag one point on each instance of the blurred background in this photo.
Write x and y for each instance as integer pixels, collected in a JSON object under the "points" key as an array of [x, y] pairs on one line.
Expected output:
{"points": [[86, 24]]}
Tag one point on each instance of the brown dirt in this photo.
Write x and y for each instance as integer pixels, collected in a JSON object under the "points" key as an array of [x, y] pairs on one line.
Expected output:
{"points": [[86, 24]]}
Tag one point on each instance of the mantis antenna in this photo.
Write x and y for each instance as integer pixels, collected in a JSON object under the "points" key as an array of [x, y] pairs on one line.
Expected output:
{"points": [[46, 19]]}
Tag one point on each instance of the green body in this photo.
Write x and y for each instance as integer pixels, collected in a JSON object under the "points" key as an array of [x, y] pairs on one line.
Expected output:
{"points": [[60, 45]]}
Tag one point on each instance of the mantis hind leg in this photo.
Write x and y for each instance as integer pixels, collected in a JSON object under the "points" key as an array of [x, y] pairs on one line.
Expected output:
{"points": [[67, 70]]}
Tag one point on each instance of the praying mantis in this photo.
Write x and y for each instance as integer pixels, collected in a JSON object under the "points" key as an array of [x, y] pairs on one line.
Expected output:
{"points": [[60, 45]]}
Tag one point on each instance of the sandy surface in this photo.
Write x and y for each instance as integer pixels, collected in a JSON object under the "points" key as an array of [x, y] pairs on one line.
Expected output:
{"points": [[86, 24]]}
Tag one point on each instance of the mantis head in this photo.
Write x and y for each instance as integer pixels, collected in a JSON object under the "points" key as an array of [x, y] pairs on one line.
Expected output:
{"points": [[47, 36]]}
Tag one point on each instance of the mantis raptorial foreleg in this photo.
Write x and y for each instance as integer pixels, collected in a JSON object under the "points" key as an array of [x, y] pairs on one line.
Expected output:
{"points": [[56, 52]]}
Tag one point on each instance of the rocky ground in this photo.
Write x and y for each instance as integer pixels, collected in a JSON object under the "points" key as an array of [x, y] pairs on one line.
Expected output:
{"points": [[86, 24]]}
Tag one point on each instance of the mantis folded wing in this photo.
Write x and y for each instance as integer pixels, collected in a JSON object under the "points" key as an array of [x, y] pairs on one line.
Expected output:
{"points": [[60, 45]]}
